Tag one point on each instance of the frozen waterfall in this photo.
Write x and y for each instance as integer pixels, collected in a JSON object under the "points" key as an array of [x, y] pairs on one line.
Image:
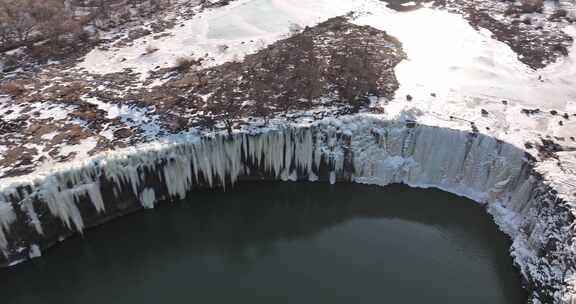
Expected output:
{"points": [[36, 212]]}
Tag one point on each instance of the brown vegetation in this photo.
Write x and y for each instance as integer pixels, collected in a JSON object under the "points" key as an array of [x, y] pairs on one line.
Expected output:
{"points": [[69, 93], [333, 64], [27, 22], [23, 22], [338, 59], [14, 88], [183, 64]]}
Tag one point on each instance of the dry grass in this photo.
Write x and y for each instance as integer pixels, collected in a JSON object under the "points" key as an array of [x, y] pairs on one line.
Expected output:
{"points": [[183, 64], [14, 88], [70, 93]]}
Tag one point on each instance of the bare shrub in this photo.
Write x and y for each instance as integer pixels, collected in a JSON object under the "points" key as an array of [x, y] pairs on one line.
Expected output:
{"points": [[150, 49], [49, 50], [14, 88], [23, 22], [222, 48], [295, 28], [82, 36], [183, 64], [70, 93], [225, 105], [9, 63]]}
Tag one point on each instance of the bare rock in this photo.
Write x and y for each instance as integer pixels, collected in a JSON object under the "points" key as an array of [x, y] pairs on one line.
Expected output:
{"points": [[122, 133], [531, 6]]}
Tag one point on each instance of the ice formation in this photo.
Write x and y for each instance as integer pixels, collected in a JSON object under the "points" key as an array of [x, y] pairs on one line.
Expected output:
{"points": [[7, 217], [360, 148]]}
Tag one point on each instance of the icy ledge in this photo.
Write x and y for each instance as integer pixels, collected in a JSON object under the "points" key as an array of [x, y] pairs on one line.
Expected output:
{"points": [[36, 212]]}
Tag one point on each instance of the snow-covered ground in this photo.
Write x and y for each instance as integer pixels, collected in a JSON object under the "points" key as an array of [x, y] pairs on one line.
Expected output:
{"points": [[452, 73], [447, 56], [244, 26]]}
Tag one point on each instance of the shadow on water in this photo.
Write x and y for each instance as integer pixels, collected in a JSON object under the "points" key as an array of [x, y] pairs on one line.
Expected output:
{"points": [[286, 243]]}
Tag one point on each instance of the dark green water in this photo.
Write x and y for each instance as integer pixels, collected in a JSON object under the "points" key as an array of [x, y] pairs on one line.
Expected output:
{"points": [[282, 243]]}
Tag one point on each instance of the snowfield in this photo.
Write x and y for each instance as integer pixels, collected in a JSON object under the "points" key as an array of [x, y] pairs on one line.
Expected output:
{"points": [[243, 26], [464, 68], [469, 117], [447, 55]]}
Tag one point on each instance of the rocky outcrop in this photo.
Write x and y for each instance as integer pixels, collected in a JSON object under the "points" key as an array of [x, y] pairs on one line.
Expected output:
{"points": [[37, 212], [531, 6]]}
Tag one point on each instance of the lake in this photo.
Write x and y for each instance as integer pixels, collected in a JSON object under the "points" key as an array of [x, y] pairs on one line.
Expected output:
{"points": [[267, 242]]}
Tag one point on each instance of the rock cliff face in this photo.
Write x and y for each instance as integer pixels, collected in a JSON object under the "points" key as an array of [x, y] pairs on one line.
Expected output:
{"points": [[37, 212]]}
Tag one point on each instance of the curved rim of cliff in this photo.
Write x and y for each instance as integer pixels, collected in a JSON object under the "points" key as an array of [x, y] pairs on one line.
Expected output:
{"points": [[503, 71]]}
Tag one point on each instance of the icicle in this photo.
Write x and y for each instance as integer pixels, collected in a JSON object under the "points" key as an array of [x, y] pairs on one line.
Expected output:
{"points": [[148, 198], [499, 188], [28, 207], [62, 205], [178, 176], [332, 177], [288, 154], [34, 251], [521, 196], [7, 217], [95, 196]]}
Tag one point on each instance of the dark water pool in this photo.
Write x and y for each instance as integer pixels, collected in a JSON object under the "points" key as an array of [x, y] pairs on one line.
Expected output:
{"points": [[282, 243]]}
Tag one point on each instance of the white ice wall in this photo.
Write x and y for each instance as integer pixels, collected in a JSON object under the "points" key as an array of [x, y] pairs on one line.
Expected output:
{"points": [[380, 152]]}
